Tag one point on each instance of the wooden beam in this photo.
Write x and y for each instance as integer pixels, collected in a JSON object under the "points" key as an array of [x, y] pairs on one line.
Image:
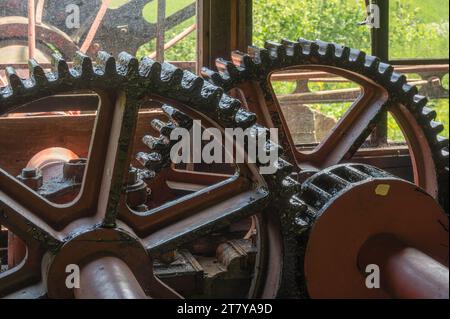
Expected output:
{"points": [[224, 26]]}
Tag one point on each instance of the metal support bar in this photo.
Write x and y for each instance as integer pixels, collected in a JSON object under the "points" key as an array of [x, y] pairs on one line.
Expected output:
{"points": [[31, 29]]}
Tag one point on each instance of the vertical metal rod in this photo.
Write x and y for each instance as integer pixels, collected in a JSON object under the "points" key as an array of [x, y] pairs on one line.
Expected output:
{"points": [[31, 29], [39, 11], [380, 48], [95, 25], [161, 30], [405, 272]]}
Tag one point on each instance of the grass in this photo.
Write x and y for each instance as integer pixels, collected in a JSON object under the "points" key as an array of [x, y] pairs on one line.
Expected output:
{"points": [[150, 9]]}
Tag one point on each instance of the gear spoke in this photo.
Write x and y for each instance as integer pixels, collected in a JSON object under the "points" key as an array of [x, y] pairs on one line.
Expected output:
{"points": [[207, 221], [352, 129], [25, 274]]}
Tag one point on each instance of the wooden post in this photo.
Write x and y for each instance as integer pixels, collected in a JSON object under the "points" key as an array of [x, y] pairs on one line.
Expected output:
{"points": [[223, 26]]}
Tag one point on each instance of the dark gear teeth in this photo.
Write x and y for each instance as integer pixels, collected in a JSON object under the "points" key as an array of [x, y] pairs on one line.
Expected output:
{"points": [[259, 63]]}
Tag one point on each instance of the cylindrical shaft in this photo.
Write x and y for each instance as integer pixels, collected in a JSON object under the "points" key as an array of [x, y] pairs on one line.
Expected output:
{"points": [[405, 272], [108, 278]]}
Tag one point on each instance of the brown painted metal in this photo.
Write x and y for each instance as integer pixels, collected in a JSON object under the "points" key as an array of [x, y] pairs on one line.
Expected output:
{"points": [[405, 272], [17, 28], [108, 278], [354, 207], [92, 226], [344, 140], [31, 29]]}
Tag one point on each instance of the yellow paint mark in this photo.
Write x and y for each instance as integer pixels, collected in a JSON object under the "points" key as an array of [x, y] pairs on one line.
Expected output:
{"points": [[382, 189]]}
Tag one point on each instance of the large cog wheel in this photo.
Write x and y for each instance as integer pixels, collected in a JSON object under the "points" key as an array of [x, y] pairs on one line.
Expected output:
{"points": [[98, 229], [384, 90]]}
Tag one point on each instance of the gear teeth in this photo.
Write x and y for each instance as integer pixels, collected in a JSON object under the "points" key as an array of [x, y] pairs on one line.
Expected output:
{"points": [[326, 50], [163, 128], [442, 142], [444, 153], [294, 51], [61, 67], [408, 93], [170, 74], [15, 83], [310, 48], [398, 80], [243, 60], [418, 103], [277, 51], [342, 53], [349, 174], [177, 116], [210, 96], [228, 108], [259, 63], [150, 69], [297, 205], [371, 64], [429, 114], [37, 73], [357, 57], [289, 187], [127, 65], [155, 144], [319, 189], [260, 56], [244, 118], [436, 127], [82, 66], [228, 68], [384, 73], [257, 131], [282, 169], [191, 84], [333, 184], [151, 161], [315, 197], [106, 63], [272, 147], [298, 216], [221, 80]]}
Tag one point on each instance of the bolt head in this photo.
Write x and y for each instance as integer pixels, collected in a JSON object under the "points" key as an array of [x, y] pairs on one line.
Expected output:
{"points": [[29, 172]]}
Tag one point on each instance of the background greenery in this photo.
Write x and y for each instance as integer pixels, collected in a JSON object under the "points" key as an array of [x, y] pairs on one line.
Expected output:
{"points": [[419, 29]]}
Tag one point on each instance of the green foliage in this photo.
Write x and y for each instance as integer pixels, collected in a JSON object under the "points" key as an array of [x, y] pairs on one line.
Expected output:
{"points": [[413, 33], [328, 20], [419, 29]]}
